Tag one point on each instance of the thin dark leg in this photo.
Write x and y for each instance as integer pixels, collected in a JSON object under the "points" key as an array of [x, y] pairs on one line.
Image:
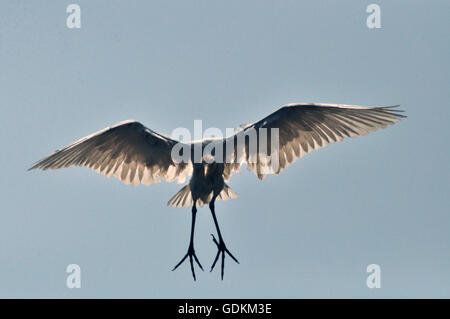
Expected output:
{"points": [[191, 251], [221, 248]]}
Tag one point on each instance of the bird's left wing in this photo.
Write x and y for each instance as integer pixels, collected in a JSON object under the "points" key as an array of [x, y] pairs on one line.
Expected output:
{"points": [[303, 127], [128, 151]]}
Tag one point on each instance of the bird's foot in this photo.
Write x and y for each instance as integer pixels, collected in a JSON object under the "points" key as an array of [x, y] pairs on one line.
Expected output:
{"points": [[191, 254], [221, 250]]}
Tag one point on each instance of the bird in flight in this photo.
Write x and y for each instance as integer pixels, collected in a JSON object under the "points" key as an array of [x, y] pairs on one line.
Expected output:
{"points": [[135, 154]]}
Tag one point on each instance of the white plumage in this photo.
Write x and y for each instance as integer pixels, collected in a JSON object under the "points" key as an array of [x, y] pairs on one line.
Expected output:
{"points": [[135, 154]]}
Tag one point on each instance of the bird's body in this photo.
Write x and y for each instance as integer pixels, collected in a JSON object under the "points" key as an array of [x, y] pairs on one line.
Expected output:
{"points": [[206, 179], [135, 154]]}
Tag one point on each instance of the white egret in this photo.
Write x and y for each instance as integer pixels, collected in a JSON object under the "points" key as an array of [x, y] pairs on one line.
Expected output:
{"points": [[135, 154]]}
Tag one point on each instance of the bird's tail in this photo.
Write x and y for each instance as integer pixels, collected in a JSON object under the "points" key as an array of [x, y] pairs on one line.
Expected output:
{"points": [[184, 197], [227, 193]]}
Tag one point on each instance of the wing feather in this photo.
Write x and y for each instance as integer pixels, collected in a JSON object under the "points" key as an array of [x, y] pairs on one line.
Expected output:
{"points": [[128, 151], [307, 127]]}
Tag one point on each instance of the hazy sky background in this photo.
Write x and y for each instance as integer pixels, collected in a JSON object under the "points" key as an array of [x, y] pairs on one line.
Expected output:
{"points": [[310, 232]]}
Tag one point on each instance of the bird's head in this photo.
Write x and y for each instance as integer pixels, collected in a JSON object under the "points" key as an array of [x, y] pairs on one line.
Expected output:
{"points": [[208, 159]]}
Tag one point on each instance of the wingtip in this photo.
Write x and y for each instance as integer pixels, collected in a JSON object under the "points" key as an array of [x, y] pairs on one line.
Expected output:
{"points": [[393, 109], [32, 168]]}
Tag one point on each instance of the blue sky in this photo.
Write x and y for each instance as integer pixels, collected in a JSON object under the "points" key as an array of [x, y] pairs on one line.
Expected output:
{"points": [[310, 232]]}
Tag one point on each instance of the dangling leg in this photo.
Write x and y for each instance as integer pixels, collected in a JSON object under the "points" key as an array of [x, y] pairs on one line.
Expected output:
{"points": [[191, 252], [222, 249]]}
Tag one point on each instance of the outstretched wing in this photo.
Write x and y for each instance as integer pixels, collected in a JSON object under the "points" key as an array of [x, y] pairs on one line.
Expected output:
{"points": [[128, 151], [306, 127]]}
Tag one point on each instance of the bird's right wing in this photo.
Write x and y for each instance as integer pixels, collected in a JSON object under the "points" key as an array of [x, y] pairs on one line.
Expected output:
{"points": [[128, 151]]}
